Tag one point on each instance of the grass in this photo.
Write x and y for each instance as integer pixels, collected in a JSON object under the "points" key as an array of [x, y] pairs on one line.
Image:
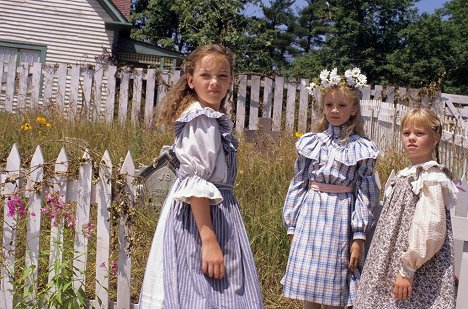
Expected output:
{"points": [[263, 178]]}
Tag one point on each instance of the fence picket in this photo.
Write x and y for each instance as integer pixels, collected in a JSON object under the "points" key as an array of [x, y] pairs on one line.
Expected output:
{"points": [[23, 71], [49, 73], [123, 98], [110, 93], [59, 185], [136, 96], [12, 184], [277, 103], [290, 104], [149, 99], [10, 86], [35, 86], [103, 229], [62, 72], [125, 261], [241, 98], [86, 108], [74, 91], [34, 190], [83, 201], [254, 102], [267, 97], [303, 106], [97, 87]]}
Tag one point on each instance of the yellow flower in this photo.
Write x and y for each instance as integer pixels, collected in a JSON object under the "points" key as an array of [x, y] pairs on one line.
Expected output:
{"points": [[26, 127], [41, 120], [298, 134], [48, 125]]}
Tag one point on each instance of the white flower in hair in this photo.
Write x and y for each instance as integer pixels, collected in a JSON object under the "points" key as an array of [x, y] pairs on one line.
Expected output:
{"points": [[324, 75], [334, 77], [352, 78]]}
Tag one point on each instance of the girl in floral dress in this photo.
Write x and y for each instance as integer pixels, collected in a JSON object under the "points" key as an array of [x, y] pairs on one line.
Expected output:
{"points": [[410, 261], [329, 204], [201, 256]]}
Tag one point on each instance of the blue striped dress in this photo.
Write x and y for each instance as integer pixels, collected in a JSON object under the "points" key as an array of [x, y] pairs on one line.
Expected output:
{"points": [[324, 224], [205, 152]]}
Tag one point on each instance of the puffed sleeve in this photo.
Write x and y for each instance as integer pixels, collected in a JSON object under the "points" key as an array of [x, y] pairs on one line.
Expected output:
{"points": [[197, 149], [367, 197], [428, 229], [296, 193]]}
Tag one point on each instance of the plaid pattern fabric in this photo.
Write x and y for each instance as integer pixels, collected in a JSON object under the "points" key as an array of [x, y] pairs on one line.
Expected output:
{"points": [[324, 224]]}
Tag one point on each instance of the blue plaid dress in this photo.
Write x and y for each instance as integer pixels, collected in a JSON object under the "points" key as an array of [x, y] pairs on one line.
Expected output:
{"points": [[324, 224], [205, 153]]}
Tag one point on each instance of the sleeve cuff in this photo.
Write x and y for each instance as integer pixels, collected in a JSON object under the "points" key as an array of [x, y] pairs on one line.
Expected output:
{"points": [[195, 186], [406, 272], [359, 235]]}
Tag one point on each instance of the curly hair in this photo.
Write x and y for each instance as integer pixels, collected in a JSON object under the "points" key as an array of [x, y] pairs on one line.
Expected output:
{"points": [[355, 123], [424, 117], [180, 96]]}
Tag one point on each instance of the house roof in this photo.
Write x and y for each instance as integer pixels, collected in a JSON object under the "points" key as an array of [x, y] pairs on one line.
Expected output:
{"points": [[138, 47], [119, 19]]}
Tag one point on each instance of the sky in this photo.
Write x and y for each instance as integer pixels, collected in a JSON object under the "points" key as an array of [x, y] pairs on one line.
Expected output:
{"points": [[424, 6]]}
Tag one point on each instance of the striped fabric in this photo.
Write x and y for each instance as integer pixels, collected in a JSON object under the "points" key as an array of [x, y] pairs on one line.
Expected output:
{"points": [[185, 286], [324, 224]]}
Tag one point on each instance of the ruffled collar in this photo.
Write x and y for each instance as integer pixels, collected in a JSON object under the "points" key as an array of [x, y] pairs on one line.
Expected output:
{"points": [[334, 132], [412, 169]]}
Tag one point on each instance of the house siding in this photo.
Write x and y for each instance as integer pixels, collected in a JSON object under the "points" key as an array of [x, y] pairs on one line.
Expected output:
{"points": [[73, 30]]}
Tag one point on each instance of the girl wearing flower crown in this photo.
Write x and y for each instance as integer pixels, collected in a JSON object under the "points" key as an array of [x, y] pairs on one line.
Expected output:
{"points": [[410, 260], [200, 256], [329, 204]]}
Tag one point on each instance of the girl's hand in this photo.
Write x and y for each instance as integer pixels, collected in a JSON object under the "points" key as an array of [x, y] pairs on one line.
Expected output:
{"points": [[403, 288], [212, 259], [356, 250]]}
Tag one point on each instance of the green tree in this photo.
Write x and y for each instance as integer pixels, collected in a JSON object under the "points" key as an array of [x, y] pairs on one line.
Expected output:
{"points": [[280, 22], [157, 22], [456, 14]]}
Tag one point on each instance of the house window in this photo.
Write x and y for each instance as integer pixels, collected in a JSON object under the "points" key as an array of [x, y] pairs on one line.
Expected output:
{"points": [[19, 53]]}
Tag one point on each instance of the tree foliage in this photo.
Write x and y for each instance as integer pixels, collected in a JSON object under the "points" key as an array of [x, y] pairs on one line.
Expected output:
{"points": [[388, 39]]}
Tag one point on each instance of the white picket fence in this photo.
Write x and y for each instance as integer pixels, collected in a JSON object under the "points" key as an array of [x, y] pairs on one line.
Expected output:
{"points": [[83, 191], [382, 125], [108, 93]]}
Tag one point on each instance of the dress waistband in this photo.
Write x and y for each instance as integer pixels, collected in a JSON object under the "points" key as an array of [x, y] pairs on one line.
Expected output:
{"points": [[323, 187]]}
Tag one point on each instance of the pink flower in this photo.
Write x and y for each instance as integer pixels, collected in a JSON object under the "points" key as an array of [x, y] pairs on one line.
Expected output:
{"points": [[114, 269], [16, 207], [58, 211], [88, 230]]}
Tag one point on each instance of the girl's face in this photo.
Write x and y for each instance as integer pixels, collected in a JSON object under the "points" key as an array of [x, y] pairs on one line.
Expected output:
{"points": [[211, 80], [419, 142], [338, 108]]}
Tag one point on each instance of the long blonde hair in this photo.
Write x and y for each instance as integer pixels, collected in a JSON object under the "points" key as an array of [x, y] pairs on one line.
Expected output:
{"points": [[180, 96], [355, 123], [424, 117]]}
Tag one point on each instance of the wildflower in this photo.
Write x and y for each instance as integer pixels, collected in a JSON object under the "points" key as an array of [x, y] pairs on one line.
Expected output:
{"points": [[102, 265], [26, 127], [58, 211], [16, 207], [114, 269], [298, 134], [41, 120], [88, 230]]}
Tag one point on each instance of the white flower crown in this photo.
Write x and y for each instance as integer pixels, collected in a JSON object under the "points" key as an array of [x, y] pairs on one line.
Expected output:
{"points": [[353, 78]]}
